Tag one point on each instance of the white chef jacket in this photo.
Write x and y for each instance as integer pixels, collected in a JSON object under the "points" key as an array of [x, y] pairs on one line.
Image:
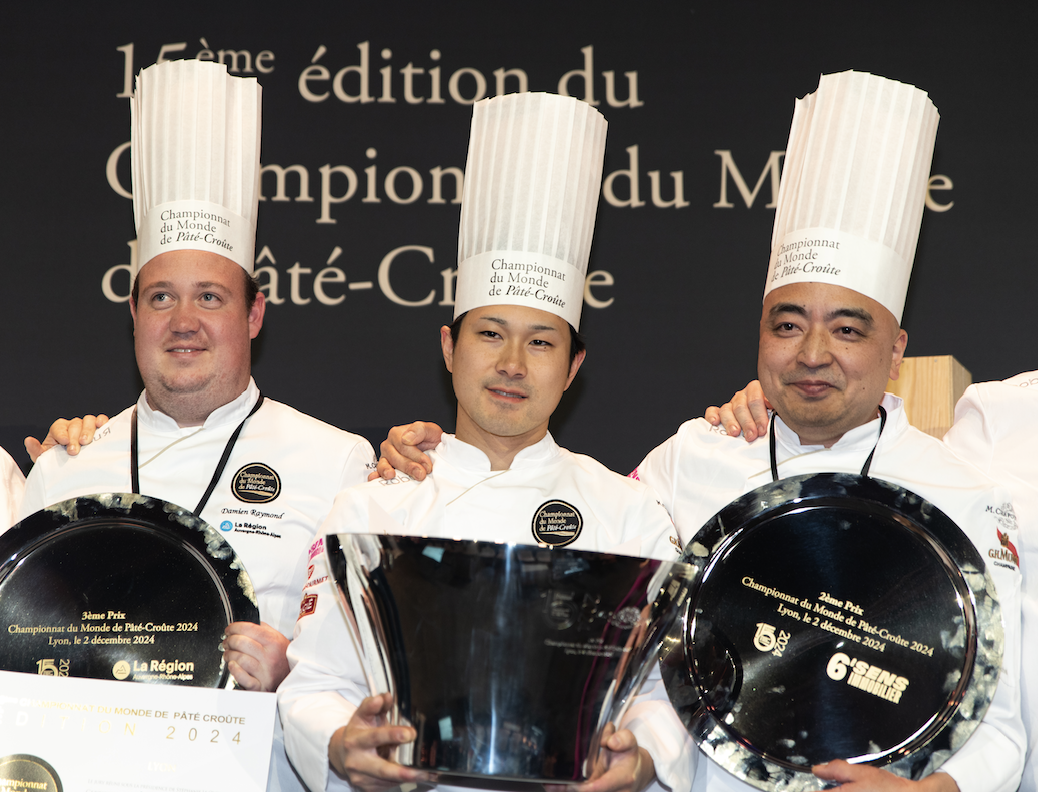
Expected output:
{"points": [[700, 470], [312, 460], [463, 498], [995, 428], [12, 485]]}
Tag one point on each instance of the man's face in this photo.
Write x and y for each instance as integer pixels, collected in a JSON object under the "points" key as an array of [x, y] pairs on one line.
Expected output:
{"points": [[510, 367], [826, 353], [192, 331]]}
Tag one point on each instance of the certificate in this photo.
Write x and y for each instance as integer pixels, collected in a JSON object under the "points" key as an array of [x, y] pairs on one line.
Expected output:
{"points": [[92, 735]]}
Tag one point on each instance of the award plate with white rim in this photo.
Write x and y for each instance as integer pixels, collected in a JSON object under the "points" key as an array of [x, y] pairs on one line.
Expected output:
{"points": [[833, 616], [121, 587], [509, 660]]}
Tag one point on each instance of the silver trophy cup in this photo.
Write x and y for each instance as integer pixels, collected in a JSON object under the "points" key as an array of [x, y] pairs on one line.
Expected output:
{"points": [[508, 660]]}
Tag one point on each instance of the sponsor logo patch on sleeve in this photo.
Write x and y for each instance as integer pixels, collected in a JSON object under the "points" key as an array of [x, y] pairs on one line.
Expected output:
{"points": [[308, 605], [316, 549]]}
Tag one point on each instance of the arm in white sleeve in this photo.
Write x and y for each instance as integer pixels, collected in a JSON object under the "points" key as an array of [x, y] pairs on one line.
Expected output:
{"points": [[971, 434], [656, 726], [659, 470], [992, 758], [326, 682]]}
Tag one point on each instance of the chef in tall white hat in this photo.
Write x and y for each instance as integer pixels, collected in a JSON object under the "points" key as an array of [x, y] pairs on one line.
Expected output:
{"points": [[850, 207], [531, 190], [849, 210], [201, 432]]}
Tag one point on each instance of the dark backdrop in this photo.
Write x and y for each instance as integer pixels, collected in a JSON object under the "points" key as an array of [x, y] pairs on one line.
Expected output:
{"points": [[676, 330]]}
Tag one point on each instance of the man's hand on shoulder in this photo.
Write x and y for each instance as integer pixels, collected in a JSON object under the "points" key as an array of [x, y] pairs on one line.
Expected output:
{"points": [[622, 766], [866, 778], [255, 655], [71, 434], [403, 451], [358, 751], [746, 413]]}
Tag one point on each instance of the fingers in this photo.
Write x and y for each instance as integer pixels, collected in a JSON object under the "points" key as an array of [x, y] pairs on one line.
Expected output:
{"points": [[360, 749], [387, 471], [628, 771], [75, 434], [621, 741], [835, 770], [746, 413], [424, 435], [621, 766], [245, 680], [726, 418], [256, 655], [374, 706], [402, 450], [34, 448], [89, 426], [745, 419], [758, 405], [72, 434], [57, 435], [369, 772]]}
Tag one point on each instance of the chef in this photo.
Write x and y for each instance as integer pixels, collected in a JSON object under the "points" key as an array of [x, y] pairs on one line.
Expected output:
{"points": [[994, 429], [532, 181], [201, 435], [849, 209]]}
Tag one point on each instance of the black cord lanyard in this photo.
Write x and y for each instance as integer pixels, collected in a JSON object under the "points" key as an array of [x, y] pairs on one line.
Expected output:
{"points": [[135, 482], [868, 462]]}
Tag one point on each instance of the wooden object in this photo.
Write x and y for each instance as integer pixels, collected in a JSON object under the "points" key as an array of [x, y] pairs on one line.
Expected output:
{"points": [[930, 387]]}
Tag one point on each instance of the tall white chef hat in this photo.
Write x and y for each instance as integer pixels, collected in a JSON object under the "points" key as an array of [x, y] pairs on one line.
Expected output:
{"points": [[195, 142], [853, 186], [532, 180]]}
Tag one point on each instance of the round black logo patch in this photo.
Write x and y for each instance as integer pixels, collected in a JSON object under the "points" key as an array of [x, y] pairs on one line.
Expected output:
{"points": [[557, 524], [24, 771], [256, 483]]}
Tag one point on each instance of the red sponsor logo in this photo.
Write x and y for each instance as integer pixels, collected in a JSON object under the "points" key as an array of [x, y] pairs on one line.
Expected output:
{"points": [[316, 548], [308, 605], [1007, 551]]}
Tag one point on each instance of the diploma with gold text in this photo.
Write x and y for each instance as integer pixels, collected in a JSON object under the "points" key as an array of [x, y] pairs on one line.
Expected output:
{"points": [[99, 736]]}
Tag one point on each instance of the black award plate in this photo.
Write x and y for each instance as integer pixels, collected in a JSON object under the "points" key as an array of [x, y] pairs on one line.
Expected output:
{"points": [[833, 616], [120, 586]]}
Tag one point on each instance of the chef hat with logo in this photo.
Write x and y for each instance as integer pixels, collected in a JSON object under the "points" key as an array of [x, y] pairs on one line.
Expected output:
{"points": [[532, 180], [853, 186], [195, 142]]}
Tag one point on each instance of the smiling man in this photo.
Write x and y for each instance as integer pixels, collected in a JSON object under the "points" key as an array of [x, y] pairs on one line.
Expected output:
{"points": [[825, 352], [512, 351], [201, 435], [849, 210]]}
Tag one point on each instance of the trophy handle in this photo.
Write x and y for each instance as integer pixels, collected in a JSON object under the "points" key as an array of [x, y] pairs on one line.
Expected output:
{"points": [[360, 560]]}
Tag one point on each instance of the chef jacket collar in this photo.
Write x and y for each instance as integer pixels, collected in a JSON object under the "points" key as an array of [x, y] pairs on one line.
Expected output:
{"points": [[861, 438], [463, 455], [234, 412]]}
